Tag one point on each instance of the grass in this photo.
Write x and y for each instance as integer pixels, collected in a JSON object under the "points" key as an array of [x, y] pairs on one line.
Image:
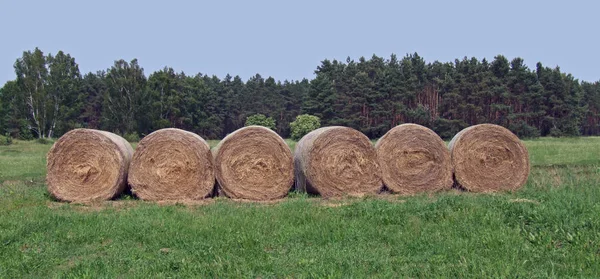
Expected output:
{"points": [[564, 151], [550, 228], [23, 160]]}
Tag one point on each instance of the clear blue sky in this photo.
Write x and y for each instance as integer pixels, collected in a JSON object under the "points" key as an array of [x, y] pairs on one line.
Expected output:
{"points": [[287, 40]]}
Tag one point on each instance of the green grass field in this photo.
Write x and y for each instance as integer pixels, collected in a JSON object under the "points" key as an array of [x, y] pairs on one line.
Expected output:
{"points": [[550, 228]]}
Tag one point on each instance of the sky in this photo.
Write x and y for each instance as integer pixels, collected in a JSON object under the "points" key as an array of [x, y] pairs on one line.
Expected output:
{"points": [[289, 39]]}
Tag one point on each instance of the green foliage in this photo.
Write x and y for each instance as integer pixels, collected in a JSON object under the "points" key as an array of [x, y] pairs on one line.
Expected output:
{"points": [[261, 120], [43, 141], [522, 130], [447, 129], [591, 114], [132, 137], [64, 80], [49, 97], [91, 96], [303, 125], [48, 85], [22, 131], [6, 140], [3, 114], [125, 101], [556, 132]]}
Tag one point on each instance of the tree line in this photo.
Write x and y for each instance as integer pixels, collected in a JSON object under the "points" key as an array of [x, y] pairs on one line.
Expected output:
{"points": [[50, 96]]}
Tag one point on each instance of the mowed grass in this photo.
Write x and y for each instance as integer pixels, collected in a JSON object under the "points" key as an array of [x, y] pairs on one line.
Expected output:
{"points": [[550, 228], [564, 151], [23, 161]]}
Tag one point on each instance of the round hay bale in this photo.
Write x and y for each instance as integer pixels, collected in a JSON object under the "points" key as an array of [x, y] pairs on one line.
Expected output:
{"points": [[172, 164], [489, 158], [254, 163], [336, 161], [87, 165], [414, 159]]}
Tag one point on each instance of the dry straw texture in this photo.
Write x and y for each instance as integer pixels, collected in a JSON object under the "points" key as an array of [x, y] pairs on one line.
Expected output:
{"points": [[489, 158], [414, 159], [172, 164], [254, 163], [87, 165], [336, 161]]}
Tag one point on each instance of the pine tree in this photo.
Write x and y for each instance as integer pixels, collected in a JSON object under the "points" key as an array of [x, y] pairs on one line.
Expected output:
{"points": [[13, 116], [91, 96], [320, 100]]}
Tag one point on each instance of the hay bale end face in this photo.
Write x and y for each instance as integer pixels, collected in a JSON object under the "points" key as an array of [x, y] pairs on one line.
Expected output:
{"points": [[87, 165], [489, 158], [254, 163], [336, 161], [414, 159], [172, 164]]}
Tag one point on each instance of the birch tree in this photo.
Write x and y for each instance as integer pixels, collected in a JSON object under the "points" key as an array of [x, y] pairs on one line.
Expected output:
{"points": [[64, 82], [32, 76], [125, 97]]}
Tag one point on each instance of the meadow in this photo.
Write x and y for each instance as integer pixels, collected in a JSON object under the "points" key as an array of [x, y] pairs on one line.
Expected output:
{"points": [[549, 228]]}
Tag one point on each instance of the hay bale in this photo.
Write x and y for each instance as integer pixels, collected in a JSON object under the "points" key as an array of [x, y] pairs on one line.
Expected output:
{"points": [[87, 165], [254, 163], [489, 158], [336, 161], [172, 164], [414, 159]]}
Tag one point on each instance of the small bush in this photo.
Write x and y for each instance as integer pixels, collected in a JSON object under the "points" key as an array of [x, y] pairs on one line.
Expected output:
{"points": [[303, 125], [261, 120], [22, 131], [43, 141], [5, 140], [523, 130], [556, 132], [132, 137]]}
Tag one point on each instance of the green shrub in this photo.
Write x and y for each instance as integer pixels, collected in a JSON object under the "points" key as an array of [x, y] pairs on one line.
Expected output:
{"points": [[5, 140], [25, 134], [43, 141], [132, 137], [303, 125], [261, 120], [523, 130], [21, 131], [556, 132]]}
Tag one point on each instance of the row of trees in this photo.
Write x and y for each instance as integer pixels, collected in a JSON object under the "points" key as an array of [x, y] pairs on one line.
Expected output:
{"points": [[374, 95], [50, 96]]}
